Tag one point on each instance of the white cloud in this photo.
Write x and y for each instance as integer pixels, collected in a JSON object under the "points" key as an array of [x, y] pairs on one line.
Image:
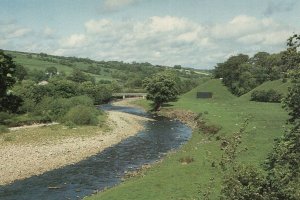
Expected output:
{"points": [[168, 23], [97, 26], [241, 25], [10, 30], [165, 40], [74, 40], [49, 32], [266, 38], [170, 40]]}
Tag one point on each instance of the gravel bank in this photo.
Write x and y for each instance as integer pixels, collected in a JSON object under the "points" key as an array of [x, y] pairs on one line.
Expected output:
{"points": [[22, 161]]}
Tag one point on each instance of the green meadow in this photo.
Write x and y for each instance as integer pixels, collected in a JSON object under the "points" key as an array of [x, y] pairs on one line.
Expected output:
{"points": [[171, 179]]}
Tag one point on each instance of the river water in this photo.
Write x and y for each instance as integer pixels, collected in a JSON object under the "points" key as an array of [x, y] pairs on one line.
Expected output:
{"points": [[106, 168]]}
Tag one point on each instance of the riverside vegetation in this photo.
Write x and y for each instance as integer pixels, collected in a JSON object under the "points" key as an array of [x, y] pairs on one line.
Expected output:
{"points": [[241, 159], [231, 154]]}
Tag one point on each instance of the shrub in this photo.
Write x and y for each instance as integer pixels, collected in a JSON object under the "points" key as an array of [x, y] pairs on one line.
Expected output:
{"points": [[266, 96], [82, 115], [4, 116], [54, 108], [186, 160], [81, 100], [3, 129], [245, 182]]}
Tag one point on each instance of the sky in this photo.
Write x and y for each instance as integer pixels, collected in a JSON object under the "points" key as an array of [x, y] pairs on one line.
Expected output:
{"points": [[191, 33]]}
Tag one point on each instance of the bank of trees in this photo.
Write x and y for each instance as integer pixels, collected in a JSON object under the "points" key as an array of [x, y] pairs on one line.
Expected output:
{"points": [[67, 99], [241, 73], [35, 94], [280, 176]]}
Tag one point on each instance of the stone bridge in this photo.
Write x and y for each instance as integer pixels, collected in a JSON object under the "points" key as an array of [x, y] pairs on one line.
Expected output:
{"points": [[129, 95]]}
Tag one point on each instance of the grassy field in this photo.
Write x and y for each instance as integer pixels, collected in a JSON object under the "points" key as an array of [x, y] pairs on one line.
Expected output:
{"points": [[34, 63], [171, 179]]}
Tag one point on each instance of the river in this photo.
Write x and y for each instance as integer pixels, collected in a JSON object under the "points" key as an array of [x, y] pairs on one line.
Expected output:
{"points": [[107, 168]]}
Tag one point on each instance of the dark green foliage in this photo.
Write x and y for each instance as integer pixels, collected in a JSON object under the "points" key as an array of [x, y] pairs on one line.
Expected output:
{"points": [[82, 115], [292, 101], [230, 72], [57, 108], [177, 66], [291, 56], [4, 116], [8, 102], [21, 72], [99, 93], [7, 71], [37, 75], [79, 77], [241, 73], [51, 71], [53, 108], [245, 182], [161, 88], [64, 88], [283, 163], [283, 166], [266, 96]]}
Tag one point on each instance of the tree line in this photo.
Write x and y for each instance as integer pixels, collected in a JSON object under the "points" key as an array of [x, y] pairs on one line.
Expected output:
{"points": [[241, 73]]}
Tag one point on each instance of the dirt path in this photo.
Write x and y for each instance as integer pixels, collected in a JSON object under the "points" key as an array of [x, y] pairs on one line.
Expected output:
{"points": [[22, 161]]}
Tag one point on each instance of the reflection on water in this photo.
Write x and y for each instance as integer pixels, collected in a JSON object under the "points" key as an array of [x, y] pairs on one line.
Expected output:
{"points": [[106, 168]]}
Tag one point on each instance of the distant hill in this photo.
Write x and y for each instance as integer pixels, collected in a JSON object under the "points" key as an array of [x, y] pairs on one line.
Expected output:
{"points": [[101, 70]]}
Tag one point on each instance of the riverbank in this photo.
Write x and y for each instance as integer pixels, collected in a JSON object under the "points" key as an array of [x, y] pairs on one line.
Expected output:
{"points": [[193, 171], [21, 160]]}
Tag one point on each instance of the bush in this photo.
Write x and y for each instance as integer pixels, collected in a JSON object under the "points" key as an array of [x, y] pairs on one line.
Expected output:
{"points": [[266, 96], [186, 160], [81, 100], [4, 116], [245, 182], [82, 115], [3, 129]]}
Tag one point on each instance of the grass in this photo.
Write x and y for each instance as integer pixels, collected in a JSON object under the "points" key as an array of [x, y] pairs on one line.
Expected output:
{"points": [[35, 63], [277, 85], [171, 179], [51, 133]]}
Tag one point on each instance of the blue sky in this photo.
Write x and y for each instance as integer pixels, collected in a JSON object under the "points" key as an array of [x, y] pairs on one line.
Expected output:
{"points": [[192, 33]]}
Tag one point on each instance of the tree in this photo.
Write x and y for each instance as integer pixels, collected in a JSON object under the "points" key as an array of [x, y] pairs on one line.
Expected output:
{"points": [[177, 66], [7, 71], [20, 73], [51, 71], [79, 77], [161, 88], [8, 101]]}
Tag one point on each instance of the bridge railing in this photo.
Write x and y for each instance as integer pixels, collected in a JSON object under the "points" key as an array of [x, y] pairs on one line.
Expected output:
{"points": [[129, 95]]}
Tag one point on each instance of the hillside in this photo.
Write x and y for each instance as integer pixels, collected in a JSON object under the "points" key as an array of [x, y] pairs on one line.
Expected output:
{"points": [[277, 85], [126, 73], [215, 86]]}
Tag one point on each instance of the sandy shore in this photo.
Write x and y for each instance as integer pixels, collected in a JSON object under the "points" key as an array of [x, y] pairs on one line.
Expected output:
{"points": [[22, 161]]}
